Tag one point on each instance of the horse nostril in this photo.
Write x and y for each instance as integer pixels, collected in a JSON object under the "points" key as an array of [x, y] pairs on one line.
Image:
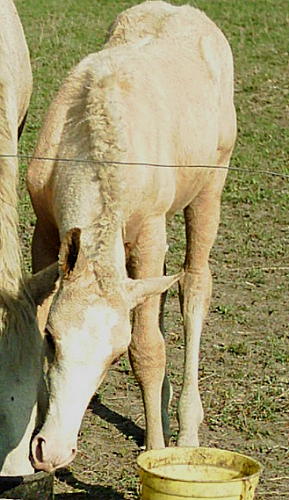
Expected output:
{"points": [[38, 449], [45, 458]]}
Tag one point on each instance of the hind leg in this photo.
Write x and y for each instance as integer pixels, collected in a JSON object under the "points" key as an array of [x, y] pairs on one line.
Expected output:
{"points": [[167, 390]]}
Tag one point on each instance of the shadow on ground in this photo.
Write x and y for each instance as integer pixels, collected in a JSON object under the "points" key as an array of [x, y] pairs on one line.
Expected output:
{"points": [[95, 492], [123, 424]]}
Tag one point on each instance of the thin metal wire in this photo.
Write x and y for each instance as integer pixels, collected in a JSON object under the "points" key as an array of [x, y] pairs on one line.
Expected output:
{"points": [[131, 164], [145, 164], [79, 160]]}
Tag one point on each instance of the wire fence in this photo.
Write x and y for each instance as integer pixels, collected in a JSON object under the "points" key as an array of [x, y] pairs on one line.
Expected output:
{"points": [[145, 164], [22, 156]]}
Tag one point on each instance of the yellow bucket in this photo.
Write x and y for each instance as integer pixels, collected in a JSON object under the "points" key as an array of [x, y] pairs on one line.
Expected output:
{"points": [[197, 473]]}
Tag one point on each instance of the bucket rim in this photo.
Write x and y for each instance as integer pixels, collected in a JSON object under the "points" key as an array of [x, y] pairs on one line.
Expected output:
{"points": [[204, 449]]}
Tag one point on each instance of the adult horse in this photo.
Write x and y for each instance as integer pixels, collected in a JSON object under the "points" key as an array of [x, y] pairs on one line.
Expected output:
{"points": [[161, 92], [20, 340]]}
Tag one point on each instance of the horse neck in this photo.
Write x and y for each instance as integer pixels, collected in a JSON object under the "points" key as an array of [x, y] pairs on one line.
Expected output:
{"points": [[10, 254], [10, 262], [103, 245]]}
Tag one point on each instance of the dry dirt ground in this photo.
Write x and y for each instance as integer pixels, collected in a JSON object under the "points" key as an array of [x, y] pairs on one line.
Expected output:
{"points": [[243, 382]]}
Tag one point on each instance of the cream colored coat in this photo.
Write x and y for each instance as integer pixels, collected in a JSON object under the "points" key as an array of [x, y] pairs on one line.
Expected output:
{"points": [[160, 92]]}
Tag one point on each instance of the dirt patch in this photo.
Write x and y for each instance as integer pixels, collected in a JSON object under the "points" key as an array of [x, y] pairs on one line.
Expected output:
{"points": [[243, 383]]}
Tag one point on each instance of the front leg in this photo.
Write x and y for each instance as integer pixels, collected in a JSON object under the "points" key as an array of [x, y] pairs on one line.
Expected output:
{"points": [[202, 219], [147, 348]]}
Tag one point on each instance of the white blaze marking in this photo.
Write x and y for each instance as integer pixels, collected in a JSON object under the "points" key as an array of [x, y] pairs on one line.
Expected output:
{"points": [[86, 350], [93, 339]]}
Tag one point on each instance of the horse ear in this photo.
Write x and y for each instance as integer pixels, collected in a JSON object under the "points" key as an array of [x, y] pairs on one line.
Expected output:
{"points": [[71, 258], [42, 284], [141, 289]]}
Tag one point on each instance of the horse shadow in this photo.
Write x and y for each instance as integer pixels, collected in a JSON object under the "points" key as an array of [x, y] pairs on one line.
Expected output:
{"points": [[97, 492], [91, 492], [125, 425]]}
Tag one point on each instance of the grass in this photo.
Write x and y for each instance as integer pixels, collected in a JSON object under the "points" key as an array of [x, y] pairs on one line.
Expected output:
{"points": [[244, 355]]}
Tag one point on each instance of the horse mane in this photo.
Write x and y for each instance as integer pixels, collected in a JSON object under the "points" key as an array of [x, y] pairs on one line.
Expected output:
{"points": [[15, 304], [18, 320], [92, 131]]}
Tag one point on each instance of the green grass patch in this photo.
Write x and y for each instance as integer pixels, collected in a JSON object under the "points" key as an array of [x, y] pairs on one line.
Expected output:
{"points": [[244, 351]]}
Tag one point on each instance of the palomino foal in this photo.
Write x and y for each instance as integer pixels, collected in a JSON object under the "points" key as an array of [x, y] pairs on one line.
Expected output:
{"points": [[160, 92]]}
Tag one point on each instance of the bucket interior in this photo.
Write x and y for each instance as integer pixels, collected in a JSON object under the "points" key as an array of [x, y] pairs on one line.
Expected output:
{"points": [[198, 464], [198, 472]]}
